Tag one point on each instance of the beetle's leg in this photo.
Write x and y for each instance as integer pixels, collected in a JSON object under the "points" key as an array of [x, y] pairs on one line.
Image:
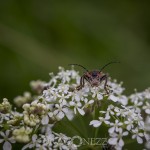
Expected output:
{"points": [[86, 78], [81, 83], [104, 77]]}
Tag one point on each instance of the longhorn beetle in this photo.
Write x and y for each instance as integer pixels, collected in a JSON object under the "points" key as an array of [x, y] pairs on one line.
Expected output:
{"points": [[94, 77]]}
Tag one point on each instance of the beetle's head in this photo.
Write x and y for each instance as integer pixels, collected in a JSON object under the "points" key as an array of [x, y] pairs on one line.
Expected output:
{"points": [[94, 78]]}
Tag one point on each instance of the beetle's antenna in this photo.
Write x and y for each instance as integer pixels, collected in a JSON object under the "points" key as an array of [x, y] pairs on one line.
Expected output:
{"points": [[79, 66], [108, 64]]}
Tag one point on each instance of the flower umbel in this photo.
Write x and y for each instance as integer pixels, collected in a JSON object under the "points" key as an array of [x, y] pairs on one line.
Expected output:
{"points": [[59, 107]]}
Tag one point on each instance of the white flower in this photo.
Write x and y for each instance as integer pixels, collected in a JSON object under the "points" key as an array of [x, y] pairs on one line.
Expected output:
{"points": [[96, 93], [62, 142], [136, 97], [37, 86], [115, 87], [116, 138], [136, 106], [146, 93], [41, 147], [45, 119], [77, 106], [147, 108], [123, 99], [129, 124], [139, 120], [130, 113], [137, 135], [48, 140], [7, 140], [74, 74], [115, 126], [47, 129], [147, 123], [109, 111], [64, 75], [87, 103], [63, 98], [60, 111], [35, 141], [63, 88], [71, 145], [113, 98], [60, 146], [79, 95], [61, 137], [4, 117], [147, 136], [97, 123], [53, 79], [120, 112], [51, 94], [20, 100]]}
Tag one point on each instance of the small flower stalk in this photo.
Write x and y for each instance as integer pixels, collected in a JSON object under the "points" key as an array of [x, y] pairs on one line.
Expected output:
{"points": [[58, 102]]}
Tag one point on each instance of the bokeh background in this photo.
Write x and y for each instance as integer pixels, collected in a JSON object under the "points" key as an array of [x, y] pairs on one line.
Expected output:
{"points": [[38, 36]]}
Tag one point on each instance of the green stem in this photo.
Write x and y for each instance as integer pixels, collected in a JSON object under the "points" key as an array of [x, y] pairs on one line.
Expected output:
{"points": [[76, 129]]}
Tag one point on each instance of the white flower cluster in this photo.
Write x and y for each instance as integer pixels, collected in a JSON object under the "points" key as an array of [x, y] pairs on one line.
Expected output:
{"points": [[20, 100], [52, 141], [123, 116]]}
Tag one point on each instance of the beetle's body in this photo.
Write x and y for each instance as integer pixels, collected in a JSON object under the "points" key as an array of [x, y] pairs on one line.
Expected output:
{"points": [[94, 77]]}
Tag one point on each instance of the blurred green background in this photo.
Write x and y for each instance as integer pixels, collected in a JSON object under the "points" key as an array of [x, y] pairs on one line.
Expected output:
{"points": [[38, 36]]}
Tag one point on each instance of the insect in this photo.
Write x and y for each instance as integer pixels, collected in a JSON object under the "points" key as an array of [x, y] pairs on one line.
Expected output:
{"points": [[94, 77]]}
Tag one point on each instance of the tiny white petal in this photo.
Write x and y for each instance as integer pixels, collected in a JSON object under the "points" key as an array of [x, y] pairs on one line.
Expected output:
{"points": [[128, 127], [45, 120], [120, 124], [140, 134], [34, 137], [121, 142], [60, 115], [77, 97], [2, 134], [112, 141], [124, 100], [95, 123], [91, 101], [79, 104], [147, 136], [81, 111], [7, 146], [7, 133], [139, 140], [71, 103], [113, 98], [99, 97], [125, 133], [147, 111], [133, 136], [120, 130], [107, 122], [103, 112], [65, 110], [111, 130], [107, 116]]}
